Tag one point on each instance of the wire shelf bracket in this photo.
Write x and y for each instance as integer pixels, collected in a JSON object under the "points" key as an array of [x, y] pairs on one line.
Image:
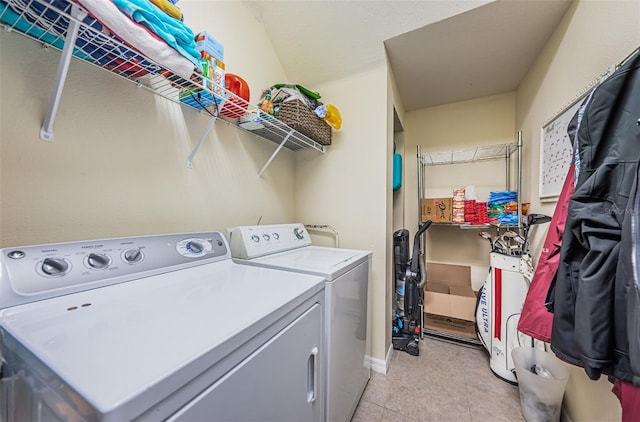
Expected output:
{"points": [[284, 141], [199, 144], [46, 131]]}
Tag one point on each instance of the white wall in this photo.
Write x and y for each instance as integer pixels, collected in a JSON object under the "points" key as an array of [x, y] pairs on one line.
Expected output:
{"points": [[347, 187], [117, 166], [592, 36]]}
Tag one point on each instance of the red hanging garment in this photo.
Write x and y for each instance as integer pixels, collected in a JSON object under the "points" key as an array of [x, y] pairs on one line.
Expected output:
{"points": [[535, 319], [629, 396]]}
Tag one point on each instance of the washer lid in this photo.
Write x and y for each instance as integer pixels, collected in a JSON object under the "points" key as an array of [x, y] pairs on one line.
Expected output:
{"points": [[328, 262], [132, 344]]}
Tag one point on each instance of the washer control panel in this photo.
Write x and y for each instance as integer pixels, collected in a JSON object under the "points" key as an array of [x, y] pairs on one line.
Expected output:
{"points": [[36, 272], [247, 242]]}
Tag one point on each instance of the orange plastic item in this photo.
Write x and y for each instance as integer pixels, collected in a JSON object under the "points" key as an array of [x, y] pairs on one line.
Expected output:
{"points": [[234, 107]]}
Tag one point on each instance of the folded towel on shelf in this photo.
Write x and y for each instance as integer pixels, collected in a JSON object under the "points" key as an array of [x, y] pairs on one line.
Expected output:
{"points": [[139, 37], [48, 20], [172, 31], [168, 8], [17, 21]]}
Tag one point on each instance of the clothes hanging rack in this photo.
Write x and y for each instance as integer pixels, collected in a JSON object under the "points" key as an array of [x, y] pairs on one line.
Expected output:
{"points": [[626, 59], [590, 86]]}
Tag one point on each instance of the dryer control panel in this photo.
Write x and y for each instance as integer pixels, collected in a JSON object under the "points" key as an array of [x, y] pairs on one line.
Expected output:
{"points": [[30, 273], [247, 242]]}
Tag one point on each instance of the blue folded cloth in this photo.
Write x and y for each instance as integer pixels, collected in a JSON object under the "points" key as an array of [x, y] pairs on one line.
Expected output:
{"points": [[11, 18], [44, 23], [174, 32]]}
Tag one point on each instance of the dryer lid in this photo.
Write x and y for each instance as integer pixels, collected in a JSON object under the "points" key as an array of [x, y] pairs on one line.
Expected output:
{"points": [[131, 344], [316, 260]]}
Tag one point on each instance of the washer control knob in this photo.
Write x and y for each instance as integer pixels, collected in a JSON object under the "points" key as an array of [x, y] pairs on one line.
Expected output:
{"points": [[98, 261], [195, 247], [132, 256], [55, 267], [266, 237], [255, 238], [298, 233], [275, 235]]}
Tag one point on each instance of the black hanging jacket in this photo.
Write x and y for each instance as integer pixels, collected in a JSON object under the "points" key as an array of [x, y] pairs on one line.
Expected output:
{"points": [[628, 278], [589, 325]]}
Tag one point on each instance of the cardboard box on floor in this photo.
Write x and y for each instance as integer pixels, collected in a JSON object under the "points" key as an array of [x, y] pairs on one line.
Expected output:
{"points": [[449, 300]]}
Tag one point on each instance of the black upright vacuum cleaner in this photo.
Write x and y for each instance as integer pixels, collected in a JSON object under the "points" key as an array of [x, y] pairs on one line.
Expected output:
{"points": [[409, 284]]}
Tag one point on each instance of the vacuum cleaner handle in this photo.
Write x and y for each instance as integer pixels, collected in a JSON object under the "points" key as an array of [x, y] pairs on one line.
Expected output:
{"points": [[415, 257], [423, 271], [410, 296]]}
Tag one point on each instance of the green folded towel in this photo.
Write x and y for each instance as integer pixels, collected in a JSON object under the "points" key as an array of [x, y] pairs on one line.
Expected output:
{"points": [[305, 91]]}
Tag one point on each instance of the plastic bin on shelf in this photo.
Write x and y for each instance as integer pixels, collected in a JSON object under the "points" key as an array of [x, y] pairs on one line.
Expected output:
{"points": [[542, 379]]}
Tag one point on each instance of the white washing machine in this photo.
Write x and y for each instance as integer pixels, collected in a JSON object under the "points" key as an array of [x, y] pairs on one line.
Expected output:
{"points": [[156, 328], [346, 273]]}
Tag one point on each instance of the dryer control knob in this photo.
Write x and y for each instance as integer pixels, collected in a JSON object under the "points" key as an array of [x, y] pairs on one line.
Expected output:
{"points": [[298, 233], [16, 254], [132, 256], [55, 267], [98, 261], [255, 238]]}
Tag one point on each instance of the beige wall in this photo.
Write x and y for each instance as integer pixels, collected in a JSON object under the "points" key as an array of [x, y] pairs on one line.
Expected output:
{"points": [[118, 163], [117, 166], [347, 188], [478, 122], [399, 195], [395, 200], [592, 36]]}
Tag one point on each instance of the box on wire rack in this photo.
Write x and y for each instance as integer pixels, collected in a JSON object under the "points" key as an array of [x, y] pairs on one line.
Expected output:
{"points": [[205, 42], [204, 98], [200, 99], [438, 210], [458, 206]]}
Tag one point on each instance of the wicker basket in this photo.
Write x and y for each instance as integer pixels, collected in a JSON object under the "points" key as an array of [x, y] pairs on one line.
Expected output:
{"points": [[298, 116]]}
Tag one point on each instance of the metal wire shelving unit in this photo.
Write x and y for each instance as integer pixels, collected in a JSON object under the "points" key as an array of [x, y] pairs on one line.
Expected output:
{"points": [[473, 155], [469, 155], [66, 26], [460, 156]]}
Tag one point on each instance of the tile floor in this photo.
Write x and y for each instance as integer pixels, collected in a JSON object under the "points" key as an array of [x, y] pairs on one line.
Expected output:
{"points": [[447, 382]]}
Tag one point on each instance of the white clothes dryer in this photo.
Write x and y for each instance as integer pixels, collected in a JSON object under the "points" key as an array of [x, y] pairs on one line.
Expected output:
{"points": [[156, 328], [346, 273]]}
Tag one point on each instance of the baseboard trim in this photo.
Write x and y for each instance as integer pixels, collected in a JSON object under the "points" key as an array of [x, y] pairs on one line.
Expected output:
{"points": [[379, 365]]}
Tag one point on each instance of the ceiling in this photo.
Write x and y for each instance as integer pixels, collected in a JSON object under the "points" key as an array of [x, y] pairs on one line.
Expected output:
{"points": [[440, 51]]}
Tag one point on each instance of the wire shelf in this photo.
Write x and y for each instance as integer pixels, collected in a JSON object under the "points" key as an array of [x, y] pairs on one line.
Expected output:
{"points": [[48, 21], [464, 226], [469, 155]]}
